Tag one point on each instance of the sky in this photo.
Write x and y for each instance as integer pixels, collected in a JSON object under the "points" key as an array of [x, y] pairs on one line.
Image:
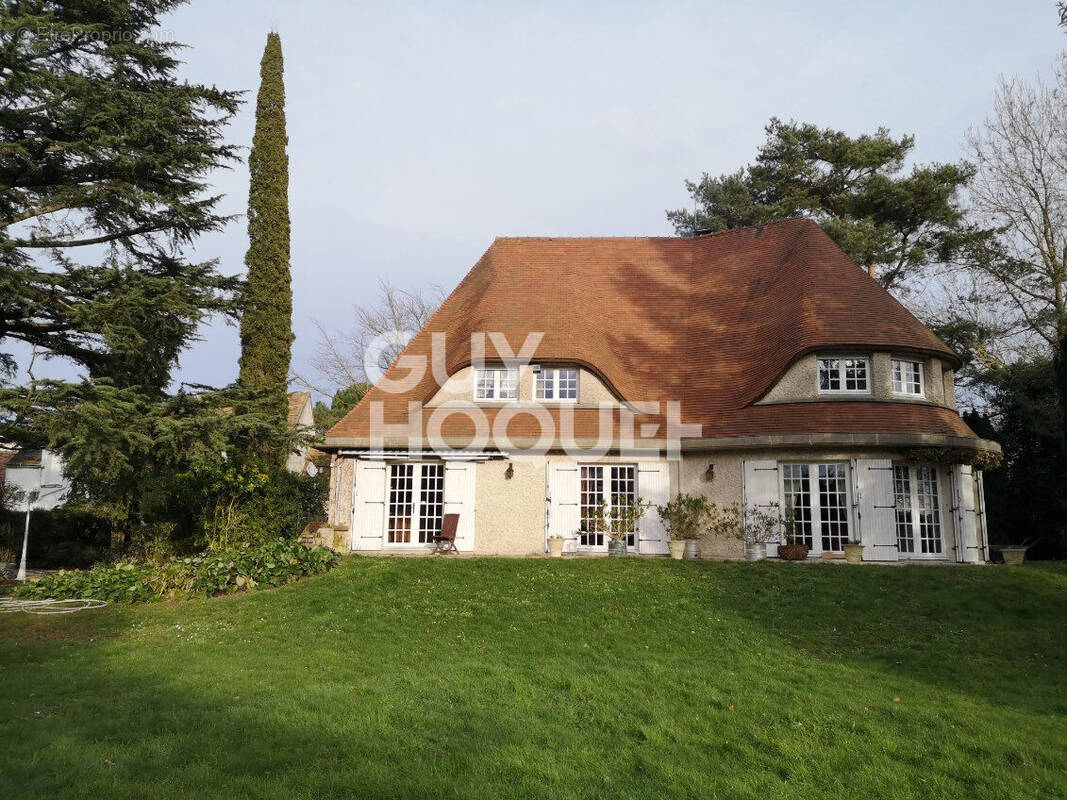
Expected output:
{"points": [[419, 132]]}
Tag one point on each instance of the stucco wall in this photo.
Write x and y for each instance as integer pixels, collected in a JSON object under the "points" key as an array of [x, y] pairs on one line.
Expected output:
{"points": [[460, 386], [509, 517], [800, 381], [341, 484]]}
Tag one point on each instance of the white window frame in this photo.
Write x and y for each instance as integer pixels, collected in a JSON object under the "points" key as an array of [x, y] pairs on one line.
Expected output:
{"points": [[819, 513], [589, 542], [498, 374], [841, 372], [421, 477], [554, 397], [909, 514], [908, 363]]}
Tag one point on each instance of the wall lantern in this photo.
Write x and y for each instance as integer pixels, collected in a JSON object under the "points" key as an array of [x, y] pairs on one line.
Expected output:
{"points": [[709, 473]]}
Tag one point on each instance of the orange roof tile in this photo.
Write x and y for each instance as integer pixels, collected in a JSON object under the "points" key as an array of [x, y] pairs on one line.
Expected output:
{"points": [[711, 321]]}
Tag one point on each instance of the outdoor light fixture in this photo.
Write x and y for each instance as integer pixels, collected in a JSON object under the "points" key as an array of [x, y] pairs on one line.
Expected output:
{"points": [[509, 473], [709, 473]]}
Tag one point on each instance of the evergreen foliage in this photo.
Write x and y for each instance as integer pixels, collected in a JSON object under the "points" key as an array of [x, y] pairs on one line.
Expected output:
{"points": [[266, 321], [343, 401], [891, 222]]}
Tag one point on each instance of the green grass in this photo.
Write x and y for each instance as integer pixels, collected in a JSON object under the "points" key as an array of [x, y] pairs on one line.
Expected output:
{"points": [[481, 678]]}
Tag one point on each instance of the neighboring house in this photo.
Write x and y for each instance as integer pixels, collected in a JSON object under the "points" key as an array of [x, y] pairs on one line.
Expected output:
{"points": [[798, 382], [301, 415], [28, 470]]}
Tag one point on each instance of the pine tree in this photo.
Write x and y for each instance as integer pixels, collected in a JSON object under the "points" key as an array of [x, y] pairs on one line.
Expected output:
{"points": [[891, 223], [266, 322]]}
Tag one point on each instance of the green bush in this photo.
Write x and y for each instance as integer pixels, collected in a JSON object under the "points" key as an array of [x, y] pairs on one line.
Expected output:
{"points": [[62, 537], [235, 570]]}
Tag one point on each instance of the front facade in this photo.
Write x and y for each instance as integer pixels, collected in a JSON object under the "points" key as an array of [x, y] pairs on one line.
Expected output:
{"points": [[759, 367]]}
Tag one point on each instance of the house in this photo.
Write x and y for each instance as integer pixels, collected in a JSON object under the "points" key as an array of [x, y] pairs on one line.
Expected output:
{"points": [[28, 470], [300, 415], [757, 366]]}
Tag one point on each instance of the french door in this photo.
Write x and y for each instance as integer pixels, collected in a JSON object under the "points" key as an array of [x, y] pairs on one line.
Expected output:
{"points": [[917, 500], [816, 499], [416, 503], [615, 485]]}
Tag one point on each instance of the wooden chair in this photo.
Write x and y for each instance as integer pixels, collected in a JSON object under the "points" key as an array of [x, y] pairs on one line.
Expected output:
{"points": [[445, 541]]}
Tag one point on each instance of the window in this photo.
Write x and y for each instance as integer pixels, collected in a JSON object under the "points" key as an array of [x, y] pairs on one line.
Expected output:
{"points": [[557, 384], [411, 522], [496, 384], [621, 488], [918, 510], [844, 375], [820, 513], [907, 377]]}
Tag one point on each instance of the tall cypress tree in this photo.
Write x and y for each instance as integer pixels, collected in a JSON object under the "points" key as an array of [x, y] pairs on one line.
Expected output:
{"points": [[266, 322]]}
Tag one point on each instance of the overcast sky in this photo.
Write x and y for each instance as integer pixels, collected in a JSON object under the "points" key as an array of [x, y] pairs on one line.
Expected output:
{"points": [[418, 132]]}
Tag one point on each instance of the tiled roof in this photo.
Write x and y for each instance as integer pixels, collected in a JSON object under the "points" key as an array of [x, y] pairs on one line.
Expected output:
{"points": [[711, 321], [297, 401]]}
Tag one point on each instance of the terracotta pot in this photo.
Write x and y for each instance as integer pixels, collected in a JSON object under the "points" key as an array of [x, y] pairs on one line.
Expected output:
{"points": [[555, 547], [854, 553], [793, 552], [1013, 555], [677, 548]]}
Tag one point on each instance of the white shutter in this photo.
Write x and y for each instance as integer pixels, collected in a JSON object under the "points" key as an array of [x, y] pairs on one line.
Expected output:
{"points": [[459, 499], [368, 505], [653, 487], [981, 518], [877, 509], [963, 514], [564, 516], [760, 492]]}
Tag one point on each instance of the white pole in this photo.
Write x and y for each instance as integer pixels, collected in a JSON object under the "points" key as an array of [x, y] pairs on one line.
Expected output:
{"points": [[25, 541]]}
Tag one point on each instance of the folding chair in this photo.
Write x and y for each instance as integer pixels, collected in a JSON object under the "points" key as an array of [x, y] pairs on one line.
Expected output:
{"points": [[445, 541]]}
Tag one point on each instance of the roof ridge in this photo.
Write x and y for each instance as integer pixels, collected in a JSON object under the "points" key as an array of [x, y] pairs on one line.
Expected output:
{"points": [[707, 235]]}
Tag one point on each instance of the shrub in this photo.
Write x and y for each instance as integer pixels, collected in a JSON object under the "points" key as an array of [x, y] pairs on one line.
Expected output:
{"points": [[238, 569], [686, 516], [60, 537]]}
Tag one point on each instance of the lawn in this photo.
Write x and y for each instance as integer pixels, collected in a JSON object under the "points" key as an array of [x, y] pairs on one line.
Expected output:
{"points": [[479, 678]]}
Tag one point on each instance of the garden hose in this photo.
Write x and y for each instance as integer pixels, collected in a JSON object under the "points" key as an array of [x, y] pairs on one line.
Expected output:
{"points": [[12, 606]]}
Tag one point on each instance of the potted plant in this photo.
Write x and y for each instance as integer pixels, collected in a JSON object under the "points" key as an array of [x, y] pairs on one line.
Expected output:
{"points": [[622, 521], [1014, 553], [757, 530], [853, 552], [555, 546], [686, 518]]}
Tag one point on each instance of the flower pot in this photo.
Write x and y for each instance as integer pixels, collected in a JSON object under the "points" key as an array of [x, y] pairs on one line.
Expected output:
{"points": [[853, 553], [793, 552], [692, 549], [555, 547], [755, 551], [1013, 555], [616, 548], [677, 548]]}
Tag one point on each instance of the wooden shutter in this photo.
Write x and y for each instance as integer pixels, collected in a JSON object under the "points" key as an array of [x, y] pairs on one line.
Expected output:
{"points": [[877, 509], [368, 504], [459, 499], [564, 516], [653, 486], [980, 515], [963, 514], [760, 492]]}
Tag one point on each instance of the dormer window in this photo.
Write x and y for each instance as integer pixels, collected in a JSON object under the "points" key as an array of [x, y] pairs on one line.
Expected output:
{"points": [[558, 384], [907, 377], [844, 376], [496, 384]]}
